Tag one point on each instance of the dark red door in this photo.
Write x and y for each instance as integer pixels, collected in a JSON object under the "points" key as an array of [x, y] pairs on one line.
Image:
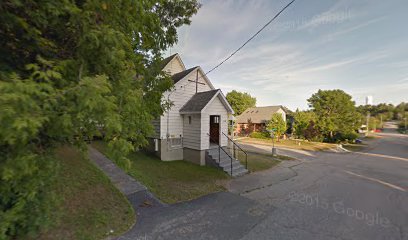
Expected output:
{"points": [[215, 129]]}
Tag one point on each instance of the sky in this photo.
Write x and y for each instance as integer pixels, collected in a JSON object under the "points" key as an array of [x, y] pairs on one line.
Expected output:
{"points": [[359, 46]]}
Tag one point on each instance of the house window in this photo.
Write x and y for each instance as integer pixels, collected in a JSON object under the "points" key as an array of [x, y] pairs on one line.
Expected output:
{"points": [[176, 142], [189, 119], [216, 119]]}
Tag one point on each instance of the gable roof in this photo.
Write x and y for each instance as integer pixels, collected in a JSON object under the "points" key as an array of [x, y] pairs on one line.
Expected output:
{"points": [[199, 101], [166, 61], [178, 76], [258, 114]]}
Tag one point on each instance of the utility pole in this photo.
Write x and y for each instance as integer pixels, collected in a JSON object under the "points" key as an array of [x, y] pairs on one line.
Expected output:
{"points": [[368, 103], [368, 121]]}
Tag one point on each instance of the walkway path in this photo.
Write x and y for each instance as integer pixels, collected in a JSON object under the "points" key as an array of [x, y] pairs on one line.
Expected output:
{"points": [[126, 184], [137, 194]]}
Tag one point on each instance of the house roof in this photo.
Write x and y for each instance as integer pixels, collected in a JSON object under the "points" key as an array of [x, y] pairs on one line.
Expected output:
{"points": [[178, 76], [200, 100], [166, 61], [258, 114]]}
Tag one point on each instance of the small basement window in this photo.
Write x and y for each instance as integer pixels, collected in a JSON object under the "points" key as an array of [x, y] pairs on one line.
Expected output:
{"points": [[189, 119]]}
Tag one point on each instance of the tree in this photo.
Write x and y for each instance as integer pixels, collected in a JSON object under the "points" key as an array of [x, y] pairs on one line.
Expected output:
{"points": [[302, 119], [311, 132], [240, 101], [71, 70], [335, 112], [277, 124], [399, 111]]}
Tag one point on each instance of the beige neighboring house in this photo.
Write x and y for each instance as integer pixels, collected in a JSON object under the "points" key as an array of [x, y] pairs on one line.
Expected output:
{"points": [[256, 118], [196, 125]]}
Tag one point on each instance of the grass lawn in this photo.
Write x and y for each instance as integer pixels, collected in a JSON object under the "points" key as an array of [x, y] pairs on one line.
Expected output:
{"points": [[261, 161], [173, 181], [294, 144], [354, 147], [90, 207]]}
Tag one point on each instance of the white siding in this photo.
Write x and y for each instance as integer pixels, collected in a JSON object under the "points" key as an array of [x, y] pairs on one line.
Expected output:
{"points": [[184, 90], [214, 108], [283, 114], [174, 66], [192, 131]]}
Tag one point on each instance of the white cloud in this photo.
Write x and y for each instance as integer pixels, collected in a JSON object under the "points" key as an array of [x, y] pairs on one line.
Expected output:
{"points": [[286, 67], [353, 28]]}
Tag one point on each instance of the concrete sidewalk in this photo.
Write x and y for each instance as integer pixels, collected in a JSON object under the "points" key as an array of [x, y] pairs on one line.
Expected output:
{"points": [[125, 183], [140, 198]]}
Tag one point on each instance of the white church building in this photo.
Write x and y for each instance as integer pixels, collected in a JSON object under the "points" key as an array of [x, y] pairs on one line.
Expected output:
{"points": [[196, 125]]}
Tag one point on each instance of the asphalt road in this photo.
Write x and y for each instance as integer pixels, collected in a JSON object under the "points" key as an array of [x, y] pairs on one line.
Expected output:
{"points": [[335, 195], [322, 195]]}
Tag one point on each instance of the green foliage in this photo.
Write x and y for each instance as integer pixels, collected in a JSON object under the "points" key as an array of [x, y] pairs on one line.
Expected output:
{"points": [[312, 132], [301, 122], [240, 101], [71, 70], [382, 112], [261, 135], [335, 112], [277, 124], [346, 137]]}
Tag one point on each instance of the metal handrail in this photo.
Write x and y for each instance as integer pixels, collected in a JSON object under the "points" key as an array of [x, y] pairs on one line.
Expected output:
{"points": [[235, 144], [219, 151]]}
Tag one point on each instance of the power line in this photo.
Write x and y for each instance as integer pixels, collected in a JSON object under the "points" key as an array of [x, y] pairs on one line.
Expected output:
{"points": [[253, 36], [250, 39]]}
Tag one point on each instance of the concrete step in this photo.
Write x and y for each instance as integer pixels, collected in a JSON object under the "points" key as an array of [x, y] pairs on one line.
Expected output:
{"points": [[241, 172], [228, 163], [225, 162], [234, 166], [216, 154]]}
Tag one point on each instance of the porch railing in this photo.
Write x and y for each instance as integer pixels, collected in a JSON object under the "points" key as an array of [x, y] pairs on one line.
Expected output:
{"points": [[219, 150], [239, 148]]}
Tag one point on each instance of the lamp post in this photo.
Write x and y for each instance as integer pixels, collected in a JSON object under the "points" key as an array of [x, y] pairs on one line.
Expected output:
{"points": [[273, 142]]}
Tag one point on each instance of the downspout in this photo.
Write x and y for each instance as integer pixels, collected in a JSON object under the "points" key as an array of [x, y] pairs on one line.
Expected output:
{"points": [[168, 120]]}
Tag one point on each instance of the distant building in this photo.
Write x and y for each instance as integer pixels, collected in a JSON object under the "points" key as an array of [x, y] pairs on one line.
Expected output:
{"points": [[369, 100], [256, 118]]}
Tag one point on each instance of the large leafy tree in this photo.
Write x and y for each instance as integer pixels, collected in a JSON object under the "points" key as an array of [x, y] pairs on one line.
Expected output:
{"points": [[70, 70], [277, 125], [335, 112], [240, 101]]}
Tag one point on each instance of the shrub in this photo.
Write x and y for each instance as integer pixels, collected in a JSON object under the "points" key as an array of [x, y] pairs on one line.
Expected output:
{"points": [[346, 137], [26, 198], [312, 133], [261, 135]]}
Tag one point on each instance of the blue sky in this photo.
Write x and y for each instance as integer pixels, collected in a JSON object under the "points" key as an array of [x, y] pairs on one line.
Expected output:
{"points": [[359, 46]]}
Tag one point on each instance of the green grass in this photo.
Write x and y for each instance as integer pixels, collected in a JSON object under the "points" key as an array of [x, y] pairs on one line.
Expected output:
{"points": [[90, 207], [261, 161], [173, 181], [294, 144], [354, 147]]}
